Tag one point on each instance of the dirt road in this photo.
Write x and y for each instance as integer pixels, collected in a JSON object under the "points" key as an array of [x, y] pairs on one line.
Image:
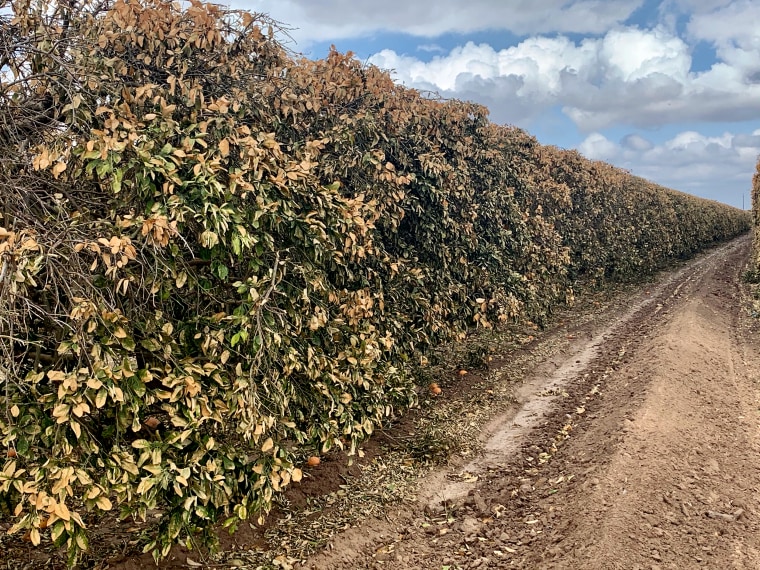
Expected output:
{"points": [[638, 448]]}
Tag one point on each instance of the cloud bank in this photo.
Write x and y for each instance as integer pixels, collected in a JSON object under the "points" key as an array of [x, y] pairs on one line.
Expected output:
{"points": [[628, 76], [719, 167], [328, 20]]}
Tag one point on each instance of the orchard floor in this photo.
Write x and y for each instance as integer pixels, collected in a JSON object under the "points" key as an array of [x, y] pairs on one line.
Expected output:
{"points": [[625, 436], [648, 458]]}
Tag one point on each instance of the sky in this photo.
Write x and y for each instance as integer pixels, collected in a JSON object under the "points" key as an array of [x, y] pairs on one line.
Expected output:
{"points": [[669, 90]]}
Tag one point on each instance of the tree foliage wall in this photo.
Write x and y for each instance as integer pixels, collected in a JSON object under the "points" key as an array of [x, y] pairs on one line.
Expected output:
{"points": [[217, 259], [756, 216]]}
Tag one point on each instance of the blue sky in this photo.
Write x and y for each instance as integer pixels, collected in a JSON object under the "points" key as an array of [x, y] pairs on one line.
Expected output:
{"points": [[669, 90]]}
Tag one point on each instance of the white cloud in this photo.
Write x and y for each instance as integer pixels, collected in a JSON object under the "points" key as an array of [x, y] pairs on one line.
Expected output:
{"points": [[599, 147], [717, 167], [632, 54], [337, 19], [636, 143], [431, 48], [729, 24], [629, 76], [694, 6], [734, 32]]}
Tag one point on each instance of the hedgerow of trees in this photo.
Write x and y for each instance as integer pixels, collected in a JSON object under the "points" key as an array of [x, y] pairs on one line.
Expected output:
{"points": [[756, 220], [217, 259]]}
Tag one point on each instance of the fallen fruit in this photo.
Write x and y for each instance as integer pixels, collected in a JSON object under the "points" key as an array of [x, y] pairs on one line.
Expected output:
{"points": [[152, 423], [12, 452], [435, 388], [313, 461], [462, 372]]}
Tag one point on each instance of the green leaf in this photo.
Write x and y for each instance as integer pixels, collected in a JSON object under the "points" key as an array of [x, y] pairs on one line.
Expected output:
{"points": [[57, 532], [103, 168], [116, 180], [150, 344], [22, 445]]}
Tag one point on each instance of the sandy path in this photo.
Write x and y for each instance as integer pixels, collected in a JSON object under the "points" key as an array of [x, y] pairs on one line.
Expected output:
{"points": [[638, 450]]}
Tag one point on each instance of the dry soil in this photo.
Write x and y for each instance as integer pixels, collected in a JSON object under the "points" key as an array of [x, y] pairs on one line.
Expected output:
{"points": [[635, 449]]}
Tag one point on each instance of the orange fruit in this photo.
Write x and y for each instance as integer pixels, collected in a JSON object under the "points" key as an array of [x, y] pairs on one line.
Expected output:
{"points": [[12, 452], [463, 372], [152, 423], [313, 461], [435, 389]]}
